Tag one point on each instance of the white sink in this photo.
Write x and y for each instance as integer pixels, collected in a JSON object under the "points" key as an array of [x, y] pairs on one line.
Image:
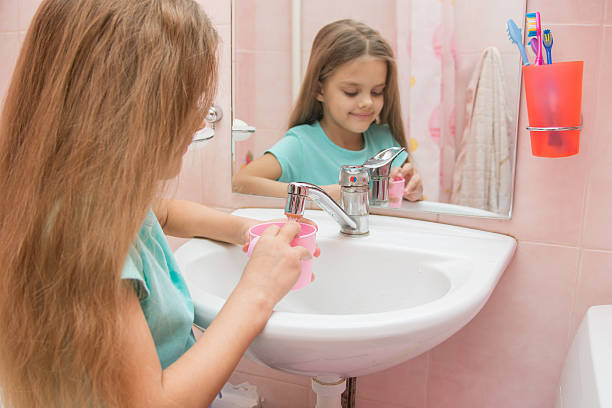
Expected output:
{"points": [[377, 300]]}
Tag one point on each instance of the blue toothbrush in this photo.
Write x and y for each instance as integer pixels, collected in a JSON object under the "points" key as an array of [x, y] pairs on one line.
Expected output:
{"points": [[514, 34], [547, 41]]}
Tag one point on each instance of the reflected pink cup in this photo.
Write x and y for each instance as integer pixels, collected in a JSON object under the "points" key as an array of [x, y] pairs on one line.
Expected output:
{"points": [[396, 192], [306, 239]]}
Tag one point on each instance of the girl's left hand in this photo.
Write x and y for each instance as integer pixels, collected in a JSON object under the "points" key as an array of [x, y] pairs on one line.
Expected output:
{"points": [[413, 189]]}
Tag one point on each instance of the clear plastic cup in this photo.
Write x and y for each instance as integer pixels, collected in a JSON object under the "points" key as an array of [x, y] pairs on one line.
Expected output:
{"points": [[307, 239]]}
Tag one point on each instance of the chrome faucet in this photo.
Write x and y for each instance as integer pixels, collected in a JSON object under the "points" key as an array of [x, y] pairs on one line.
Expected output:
{"points": [[380, 168], [352, 214], [360, 186]]}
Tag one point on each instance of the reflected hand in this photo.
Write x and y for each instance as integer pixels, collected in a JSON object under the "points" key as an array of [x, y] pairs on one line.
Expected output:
{"points": [[333, 190], [413, 189]]}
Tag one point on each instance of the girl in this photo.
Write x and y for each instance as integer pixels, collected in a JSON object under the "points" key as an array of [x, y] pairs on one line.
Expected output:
{"points": [[102, 106], [347, 111]]}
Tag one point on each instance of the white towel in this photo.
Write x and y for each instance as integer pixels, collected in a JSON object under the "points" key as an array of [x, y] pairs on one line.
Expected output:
{"points": [[482, 177]]}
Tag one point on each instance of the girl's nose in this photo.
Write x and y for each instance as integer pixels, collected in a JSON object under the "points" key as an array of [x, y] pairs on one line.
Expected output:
{"points": [[365, 101]]}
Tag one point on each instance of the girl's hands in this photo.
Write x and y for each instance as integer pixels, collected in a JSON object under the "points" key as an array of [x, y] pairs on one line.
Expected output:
{"points": [[413, 189], [250, 222], [275, 265]]}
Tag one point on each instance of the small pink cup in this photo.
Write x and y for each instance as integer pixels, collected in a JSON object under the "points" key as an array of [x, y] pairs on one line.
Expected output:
{"points": [[306, 238], [396, 192]]}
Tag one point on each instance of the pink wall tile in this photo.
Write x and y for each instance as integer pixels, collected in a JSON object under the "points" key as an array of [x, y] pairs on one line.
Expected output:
{"points": [[517, 342], [245, 86], [245, 25], [382, 17], [10, 44], [273, 89], [263, 27], [27, 8], [404, 385], [9, 16], [364, 403], [594, 284], [598, 218], [218, 11], [608, 16], [568, 11], [497, 14]]}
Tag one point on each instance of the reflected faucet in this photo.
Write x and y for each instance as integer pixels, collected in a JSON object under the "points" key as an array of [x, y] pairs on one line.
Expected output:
{"points": [[380, 168], [360, 186]]}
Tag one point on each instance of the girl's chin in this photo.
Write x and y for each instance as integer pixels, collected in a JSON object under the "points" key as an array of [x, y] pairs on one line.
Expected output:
{"points": [[361, 126]]}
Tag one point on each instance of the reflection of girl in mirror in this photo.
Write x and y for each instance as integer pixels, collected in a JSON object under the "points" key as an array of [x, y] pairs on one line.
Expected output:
{"points": [[102, 106], [347, 111]]}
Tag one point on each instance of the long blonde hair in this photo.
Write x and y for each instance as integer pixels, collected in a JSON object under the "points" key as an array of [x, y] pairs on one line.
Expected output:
{"points": [[334, 45], [102, 104]]}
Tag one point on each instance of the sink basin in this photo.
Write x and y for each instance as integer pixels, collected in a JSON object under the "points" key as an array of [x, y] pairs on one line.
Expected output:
{"points": [[377, 300]]}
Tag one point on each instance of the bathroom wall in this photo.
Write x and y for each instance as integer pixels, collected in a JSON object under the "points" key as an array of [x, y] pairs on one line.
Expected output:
{"points": [[511, 354]]}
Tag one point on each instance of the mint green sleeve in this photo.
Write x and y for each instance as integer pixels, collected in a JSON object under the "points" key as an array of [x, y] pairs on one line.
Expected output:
{"points": [[289, 153], [135, 274]]}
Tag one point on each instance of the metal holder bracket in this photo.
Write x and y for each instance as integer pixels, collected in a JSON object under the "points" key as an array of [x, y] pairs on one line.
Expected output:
{"points": [[555, 128], [214, 115]]}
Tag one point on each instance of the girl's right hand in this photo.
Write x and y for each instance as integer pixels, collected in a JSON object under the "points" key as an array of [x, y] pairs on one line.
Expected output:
{"points": [[413, 189], [275, 266]]}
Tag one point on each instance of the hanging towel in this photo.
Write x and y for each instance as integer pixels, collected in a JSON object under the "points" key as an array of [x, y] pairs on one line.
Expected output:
{"points": [[482, 177]]}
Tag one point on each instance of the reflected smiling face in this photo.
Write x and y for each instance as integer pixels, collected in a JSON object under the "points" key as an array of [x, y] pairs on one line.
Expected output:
{"points": [[352, 98]]}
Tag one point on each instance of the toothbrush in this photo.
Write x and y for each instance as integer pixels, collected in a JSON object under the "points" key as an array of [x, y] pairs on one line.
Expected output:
{"points": [[547, 41], [514, 34], [534, 46], [534, 29]]}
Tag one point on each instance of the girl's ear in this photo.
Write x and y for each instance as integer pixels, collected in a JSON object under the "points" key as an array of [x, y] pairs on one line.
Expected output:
{"points": [[319, 93]]}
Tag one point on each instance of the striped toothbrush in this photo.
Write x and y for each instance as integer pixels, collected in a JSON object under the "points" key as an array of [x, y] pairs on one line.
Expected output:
{"points": [[534, 29]]}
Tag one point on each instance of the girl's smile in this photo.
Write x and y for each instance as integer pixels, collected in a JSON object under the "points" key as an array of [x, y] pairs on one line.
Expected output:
{"points": [[363, 116]]}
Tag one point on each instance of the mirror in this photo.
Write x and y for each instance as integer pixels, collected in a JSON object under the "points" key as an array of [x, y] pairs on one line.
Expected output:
{"points": [[448, 57]]}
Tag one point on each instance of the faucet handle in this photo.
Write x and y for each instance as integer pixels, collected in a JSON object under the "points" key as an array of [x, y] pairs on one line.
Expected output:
{"points": [[354, 176]]}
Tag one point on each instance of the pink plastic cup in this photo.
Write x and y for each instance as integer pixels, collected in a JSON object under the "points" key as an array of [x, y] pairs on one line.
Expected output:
{"points": [[307, 239], [396, 192]]}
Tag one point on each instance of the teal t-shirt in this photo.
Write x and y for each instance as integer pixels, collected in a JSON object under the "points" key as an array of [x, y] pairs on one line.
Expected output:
{"points": [[306, 154], [164, 297]]}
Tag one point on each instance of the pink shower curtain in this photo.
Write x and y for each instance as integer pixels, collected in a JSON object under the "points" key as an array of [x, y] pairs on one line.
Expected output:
{"points": [[426, 59]]}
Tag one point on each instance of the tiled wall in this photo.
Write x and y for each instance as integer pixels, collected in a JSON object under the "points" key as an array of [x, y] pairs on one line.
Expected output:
{"points": [[511, 354]]}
